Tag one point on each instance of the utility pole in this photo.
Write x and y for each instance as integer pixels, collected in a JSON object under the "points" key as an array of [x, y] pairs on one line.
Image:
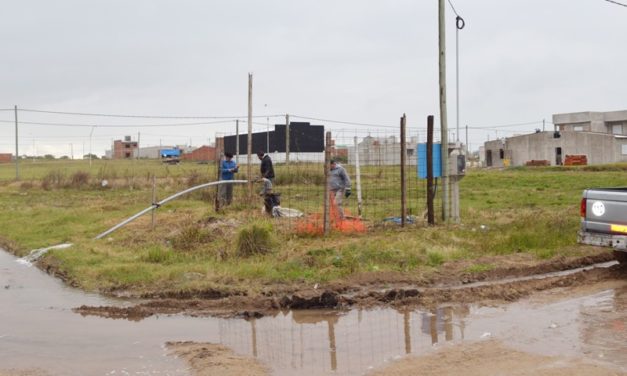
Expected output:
{"points": [[17, 154], [467, 149], [249, 144], [542, 125], [90, 134], [267, 130], [459, 24], [443, 112], [237, 139], [72, 151], [457, 79], [138, 136], [287, 139]]}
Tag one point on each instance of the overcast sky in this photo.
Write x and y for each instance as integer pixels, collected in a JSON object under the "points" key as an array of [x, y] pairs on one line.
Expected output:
{"points": [[360, 61]]}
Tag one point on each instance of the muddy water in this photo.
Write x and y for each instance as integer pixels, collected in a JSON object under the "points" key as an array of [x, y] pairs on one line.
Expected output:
{"points": [[39, 330]]}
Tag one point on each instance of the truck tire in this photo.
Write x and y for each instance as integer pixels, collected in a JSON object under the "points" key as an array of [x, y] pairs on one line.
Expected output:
{"points": [[621, 256]]}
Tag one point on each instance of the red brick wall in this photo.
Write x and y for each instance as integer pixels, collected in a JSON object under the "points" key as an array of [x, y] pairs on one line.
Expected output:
{"points": [[342, 152], [5, 157], [123, 149], [203, 153]]}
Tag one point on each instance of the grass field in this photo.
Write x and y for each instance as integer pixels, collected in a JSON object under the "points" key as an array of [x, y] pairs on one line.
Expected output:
{"points": [[519, 210]]}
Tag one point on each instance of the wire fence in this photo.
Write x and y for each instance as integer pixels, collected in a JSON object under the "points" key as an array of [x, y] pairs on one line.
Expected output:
{"points": [[372, 161]]}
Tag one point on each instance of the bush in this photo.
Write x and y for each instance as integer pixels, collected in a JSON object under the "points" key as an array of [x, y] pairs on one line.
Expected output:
{"points": [[254, 239], [79, 179], [194, 178], [54, 179]]}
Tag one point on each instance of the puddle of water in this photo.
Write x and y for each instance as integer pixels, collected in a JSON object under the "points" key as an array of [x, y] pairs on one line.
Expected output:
{"points": [[39, 330]]}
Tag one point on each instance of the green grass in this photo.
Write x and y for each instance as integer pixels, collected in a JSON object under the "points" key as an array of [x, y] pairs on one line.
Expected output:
{"points": [[520, 210], [479, 268]]}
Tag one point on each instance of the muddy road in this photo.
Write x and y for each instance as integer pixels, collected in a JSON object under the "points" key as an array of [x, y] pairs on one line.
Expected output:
{"points": [[571, 323]]}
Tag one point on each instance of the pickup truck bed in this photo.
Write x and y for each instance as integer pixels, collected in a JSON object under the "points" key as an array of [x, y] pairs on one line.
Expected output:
{"points": [[604, 219]]}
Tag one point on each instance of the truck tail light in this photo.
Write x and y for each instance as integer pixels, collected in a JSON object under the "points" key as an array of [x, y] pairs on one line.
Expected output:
{"points": [[582, 208]]}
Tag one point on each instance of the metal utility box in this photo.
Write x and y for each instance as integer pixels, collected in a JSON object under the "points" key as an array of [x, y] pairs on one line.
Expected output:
{"points": [[422, 161], [457, 163]]}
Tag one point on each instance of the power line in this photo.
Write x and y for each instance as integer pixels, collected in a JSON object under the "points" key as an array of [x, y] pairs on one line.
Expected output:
{"points": [[344, 122], [508, 125], [119, 125], [617, 3], [142, 116], [452, 7]]}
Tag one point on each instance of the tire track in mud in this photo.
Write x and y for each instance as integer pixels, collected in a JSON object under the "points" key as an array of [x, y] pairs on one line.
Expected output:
{"points": [[492, 287]]}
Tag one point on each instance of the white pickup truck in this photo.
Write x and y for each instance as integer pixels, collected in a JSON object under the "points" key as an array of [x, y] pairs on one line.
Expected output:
{"points": [[604, 219]]}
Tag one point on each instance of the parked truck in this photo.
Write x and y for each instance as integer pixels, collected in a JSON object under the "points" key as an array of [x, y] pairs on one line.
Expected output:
{"points": [[170, 156], [604, 219]]}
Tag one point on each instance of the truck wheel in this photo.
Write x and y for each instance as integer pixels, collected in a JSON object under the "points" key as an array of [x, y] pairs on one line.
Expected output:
{"points": [[621, 256]]}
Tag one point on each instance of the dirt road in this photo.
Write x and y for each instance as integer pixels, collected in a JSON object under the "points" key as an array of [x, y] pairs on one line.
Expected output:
{"points": [[491, 358]]}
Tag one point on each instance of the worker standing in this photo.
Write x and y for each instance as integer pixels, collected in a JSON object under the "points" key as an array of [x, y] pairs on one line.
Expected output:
{"points": [[228, 168], [267, 170], [339, 186]]}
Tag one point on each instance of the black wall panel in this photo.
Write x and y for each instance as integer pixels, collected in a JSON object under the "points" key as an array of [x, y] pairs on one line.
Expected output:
{"points": [[304, 138]]}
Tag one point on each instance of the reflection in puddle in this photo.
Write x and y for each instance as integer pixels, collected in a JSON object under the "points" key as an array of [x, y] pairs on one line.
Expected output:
{"points": [[39, 330], [348, 343]]}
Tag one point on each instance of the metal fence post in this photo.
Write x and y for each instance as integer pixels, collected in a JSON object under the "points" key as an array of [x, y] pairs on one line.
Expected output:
{"points": [[403, 161], [327, 160]]}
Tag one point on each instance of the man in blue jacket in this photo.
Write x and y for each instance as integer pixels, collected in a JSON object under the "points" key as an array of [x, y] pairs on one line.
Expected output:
{"points": [[228, 168]]}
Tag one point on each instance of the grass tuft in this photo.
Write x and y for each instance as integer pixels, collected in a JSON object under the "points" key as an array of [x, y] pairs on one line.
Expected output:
{"points": [[254, 239], [158, 255], [190, 237]]}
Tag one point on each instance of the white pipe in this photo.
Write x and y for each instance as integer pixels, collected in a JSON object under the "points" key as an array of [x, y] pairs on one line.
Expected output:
{"points": [[164, 201]]}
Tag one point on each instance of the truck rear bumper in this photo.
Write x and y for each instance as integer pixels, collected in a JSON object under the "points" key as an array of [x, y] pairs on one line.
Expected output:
{"points": [[618, 242]]}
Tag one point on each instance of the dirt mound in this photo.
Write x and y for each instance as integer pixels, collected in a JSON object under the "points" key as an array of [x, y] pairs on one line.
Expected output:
{"points": [[210, 359], [402, 295], [491, 358]]}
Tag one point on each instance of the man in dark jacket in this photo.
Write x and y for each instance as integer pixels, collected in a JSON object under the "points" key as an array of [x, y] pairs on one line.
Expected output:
{"points": [[267, 171]]}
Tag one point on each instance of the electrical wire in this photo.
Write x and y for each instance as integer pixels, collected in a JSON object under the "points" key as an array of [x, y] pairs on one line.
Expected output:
{"points": [[344, 122], [617, 3], [508, 125], [119, 125], [143, 116], [452, 7], [459, 21]]}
